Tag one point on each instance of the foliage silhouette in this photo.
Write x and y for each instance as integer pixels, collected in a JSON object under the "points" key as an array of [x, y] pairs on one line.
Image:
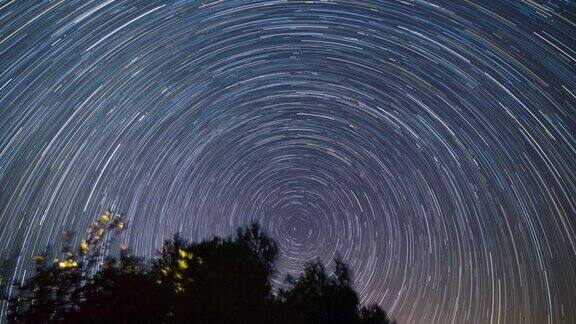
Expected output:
{"points": [[316, 297], [214, 281]]}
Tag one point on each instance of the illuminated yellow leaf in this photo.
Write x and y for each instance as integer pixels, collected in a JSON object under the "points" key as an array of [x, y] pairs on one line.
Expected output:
{"points": [[84, 246], [185, 254], [68, 264], [182, 264], [105, 217]]}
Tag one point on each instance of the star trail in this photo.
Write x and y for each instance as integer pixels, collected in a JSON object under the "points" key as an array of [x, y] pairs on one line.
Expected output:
{"points": [[430, 144]]}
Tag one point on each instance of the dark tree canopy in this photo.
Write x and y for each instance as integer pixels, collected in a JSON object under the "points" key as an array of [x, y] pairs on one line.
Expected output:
{"points": [[315, 297], [214, 281]]}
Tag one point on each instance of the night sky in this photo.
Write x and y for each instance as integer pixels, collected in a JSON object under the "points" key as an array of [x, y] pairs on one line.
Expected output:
{"points": [[432, 144]]}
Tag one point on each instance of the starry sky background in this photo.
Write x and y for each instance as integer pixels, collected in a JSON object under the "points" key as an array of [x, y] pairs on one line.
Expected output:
{"points": [[432, 144]]}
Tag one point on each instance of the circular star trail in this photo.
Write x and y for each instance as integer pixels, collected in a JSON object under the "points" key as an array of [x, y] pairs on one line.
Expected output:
{"points": [[430, 144]]}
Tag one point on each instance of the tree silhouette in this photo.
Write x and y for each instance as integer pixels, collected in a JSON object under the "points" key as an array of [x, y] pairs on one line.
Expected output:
{"points": [[55, 291], [7, 267], [214, 281], [220, 280], [46, 296], [121, 292], [316, 297]]}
